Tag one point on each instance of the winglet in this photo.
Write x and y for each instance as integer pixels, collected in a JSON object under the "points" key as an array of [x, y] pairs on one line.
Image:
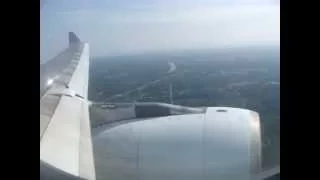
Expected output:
{"points": [[73, 38]]}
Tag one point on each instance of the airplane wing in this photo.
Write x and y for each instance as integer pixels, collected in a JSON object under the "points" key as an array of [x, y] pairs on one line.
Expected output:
{"points": [[270, 173], [65, 133]]}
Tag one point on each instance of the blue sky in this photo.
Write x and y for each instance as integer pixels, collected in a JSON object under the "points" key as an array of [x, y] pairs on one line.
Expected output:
{"points": [[135, 26]]}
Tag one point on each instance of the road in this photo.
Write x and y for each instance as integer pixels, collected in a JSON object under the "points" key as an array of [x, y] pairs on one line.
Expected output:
{"points": [[172, 68]]}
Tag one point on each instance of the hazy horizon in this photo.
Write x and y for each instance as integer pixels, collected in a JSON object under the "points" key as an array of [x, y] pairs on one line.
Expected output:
{"points": [[220, 50], [125, 27]]}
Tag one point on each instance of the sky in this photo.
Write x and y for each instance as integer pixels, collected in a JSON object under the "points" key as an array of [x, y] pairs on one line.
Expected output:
{"points": [[114, 27]]}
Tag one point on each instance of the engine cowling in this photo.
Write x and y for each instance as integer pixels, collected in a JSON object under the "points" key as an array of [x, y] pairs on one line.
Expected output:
{"points": [[221, 143]]}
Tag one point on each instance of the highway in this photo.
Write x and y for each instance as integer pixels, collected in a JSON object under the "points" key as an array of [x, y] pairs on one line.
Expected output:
{"points": [[170, 73]]}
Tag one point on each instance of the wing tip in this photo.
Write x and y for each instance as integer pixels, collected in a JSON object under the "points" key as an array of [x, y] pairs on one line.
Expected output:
{"points": [[73, 38]]}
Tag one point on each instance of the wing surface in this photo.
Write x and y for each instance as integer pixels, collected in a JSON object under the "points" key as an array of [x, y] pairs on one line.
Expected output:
{"points": [[65, 134]]}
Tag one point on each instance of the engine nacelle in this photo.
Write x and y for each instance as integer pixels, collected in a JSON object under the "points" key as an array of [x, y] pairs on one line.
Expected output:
{"points": [[221, 143]]}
